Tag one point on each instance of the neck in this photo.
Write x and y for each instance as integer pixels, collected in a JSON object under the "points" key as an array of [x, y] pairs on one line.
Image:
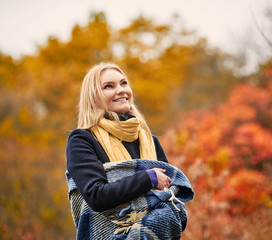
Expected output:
{"points": [[122, 117]]}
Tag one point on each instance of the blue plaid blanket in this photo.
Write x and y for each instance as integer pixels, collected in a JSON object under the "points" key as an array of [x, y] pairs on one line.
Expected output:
{"points": [[155, 215]]}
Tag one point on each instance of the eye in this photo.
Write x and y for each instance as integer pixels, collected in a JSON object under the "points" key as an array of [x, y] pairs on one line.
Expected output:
{"points": [[107, 86], [124, 83]]}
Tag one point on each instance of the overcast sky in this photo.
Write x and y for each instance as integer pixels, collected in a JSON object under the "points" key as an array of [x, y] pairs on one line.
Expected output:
{"points": [[24, 24]]}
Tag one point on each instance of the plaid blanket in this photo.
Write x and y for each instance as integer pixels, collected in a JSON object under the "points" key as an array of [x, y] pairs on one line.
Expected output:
{"points": [[155, 215]]}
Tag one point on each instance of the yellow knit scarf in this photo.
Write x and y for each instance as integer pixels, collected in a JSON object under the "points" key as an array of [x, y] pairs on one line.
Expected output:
{"points": [[109, 135]]}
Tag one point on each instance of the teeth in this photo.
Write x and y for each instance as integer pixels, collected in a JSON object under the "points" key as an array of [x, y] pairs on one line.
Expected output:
{"points": [[120, 100]]}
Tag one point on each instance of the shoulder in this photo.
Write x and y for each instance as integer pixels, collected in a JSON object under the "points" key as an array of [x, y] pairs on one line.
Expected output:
{"points": [[80, 134], [155, 138], [156, 141], [159, 150], [80, 137]]}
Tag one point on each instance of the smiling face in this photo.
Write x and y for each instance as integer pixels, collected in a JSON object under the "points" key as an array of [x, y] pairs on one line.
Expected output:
{"points": [[116, 90]]}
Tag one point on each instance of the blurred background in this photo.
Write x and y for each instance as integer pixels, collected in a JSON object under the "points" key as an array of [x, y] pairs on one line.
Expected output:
{"points": [[202, 77]]}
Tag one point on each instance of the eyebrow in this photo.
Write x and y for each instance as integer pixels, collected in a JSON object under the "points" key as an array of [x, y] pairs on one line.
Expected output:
{"points": [[112, 82], [109, 82]]}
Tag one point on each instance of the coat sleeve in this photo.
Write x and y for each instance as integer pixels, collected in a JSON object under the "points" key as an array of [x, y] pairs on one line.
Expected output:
{"points": [[87, 171]]}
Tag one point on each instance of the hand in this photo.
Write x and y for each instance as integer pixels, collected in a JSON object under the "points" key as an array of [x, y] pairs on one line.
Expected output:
{"points": [[163, 180]]}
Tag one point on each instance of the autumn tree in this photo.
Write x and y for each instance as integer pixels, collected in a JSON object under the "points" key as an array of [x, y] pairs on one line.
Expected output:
{"points": [[227, 154]]}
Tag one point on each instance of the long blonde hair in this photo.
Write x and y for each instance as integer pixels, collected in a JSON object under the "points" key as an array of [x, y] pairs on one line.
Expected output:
{"points": [[92, 104]]}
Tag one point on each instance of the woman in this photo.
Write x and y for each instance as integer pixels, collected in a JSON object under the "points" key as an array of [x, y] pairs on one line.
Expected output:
{"points": [[111, 129]]}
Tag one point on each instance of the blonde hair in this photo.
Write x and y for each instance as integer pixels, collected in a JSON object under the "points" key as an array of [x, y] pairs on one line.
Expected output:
{"points": [[92, 104]]}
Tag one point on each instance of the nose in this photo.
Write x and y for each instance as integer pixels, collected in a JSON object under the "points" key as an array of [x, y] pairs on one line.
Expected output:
{"points": [[120, 90]]}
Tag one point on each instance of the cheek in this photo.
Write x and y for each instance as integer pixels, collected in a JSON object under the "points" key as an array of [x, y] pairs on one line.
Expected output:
{"points": [[129, 92], [104, 100], [109, 96]]}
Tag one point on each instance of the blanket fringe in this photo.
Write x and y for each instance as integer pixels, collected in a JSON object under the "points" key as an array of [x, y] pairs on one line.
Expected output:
{"points": [[172, 198]]}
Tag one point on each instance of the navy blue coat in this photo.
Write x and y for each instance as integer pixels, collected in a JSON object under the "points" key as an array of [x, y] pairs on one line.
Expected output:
{"points": [[85, 158]]}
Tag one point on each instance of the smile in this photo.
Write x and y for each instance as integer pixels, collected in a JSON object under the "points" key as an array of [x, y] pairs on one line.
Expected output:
{"points": [[121, 99]]}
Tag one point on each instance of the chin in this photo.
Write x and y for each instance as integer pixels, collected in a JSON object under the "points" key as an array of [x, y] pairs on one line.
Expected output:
{"points": [[122, 111]]}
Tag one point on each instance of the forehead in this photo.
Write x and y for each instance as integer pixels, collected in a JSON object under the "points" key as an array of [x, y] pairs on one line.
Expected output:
{"points": [[111, 75]]}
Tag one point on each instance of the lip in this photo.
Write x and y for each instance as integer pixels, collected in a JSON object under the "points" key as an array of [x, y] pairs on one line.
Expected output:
{"points": [[122, 99]]}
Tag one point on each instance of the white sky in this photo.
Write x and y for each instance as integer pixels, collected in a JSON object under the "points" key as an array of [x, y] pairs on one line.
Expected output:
{"points": [[24, 24]]}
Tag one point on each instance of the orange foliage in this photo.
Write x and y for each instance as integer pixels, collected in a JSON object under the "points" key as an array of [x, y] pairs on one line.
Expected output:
{"points": [[244, 191], [251, 144], [227, 155]]}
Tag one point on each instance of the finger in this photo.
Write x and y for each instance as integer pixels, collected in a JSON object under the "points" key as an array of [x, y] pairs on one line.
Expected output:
{"points": [[162, 170]]}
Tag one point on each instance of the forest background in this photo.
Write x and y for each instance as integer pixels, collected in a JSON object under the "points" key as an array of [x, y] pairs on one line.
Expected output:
{"points": [[214, 123]]}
